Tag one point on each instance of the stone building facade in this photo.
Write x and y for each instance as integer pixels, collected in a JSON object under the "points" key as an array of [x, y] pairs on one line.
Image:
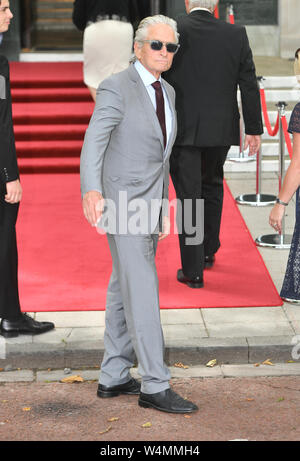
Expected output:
{"points": [[273, 26]]}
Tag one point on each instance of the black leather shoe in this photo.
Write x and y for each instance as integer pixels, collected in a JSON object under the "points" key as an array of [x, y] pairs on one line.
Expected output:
{"points": [[197, 282], [209, 261], [24, 325], [167, 401], [132, 387]]}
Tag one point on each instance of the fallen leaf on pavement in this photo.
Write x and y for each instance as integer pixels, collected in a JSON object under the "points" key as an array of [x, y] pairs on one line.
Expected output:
{"points": [[180, 365], [106, 430], [147, 425], [112, 419], [268, 362], [26, 408], [72, 379], [256, 364], [212, 363]]}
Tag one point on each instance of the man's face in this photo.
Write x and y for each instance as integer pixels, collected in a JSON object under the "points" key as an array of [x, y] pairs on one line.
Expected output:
{"points": [[154, 61], [5, 16]]}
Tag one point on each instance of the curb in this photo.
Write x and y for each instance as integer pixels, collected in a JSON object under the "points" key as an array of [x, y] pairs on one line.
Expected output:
{"points": [[194, 352], [200, 372]]}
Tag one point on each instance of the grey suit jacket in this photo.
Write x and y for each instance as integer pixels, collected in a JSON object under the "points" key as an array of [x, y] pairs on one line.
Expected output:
{"points": [[123, 155]]}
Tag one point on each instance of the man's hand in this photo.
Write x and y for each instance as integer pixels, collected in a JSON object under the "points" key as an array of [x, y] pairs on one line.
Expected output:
{"points": [[165, 228], [253, 142], [14, 192], [93, 204]]}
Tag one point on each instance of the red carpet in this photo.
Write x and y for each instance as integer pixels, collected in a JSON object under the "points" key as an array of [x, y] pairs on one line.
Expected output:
{"points": [[66, 265], [51, 110]]}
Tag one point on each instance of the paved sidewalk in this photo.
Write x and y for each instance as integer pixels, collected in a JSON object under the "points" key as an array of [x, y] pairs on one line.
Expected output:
{"points": [[253, 409], [193, 337]]}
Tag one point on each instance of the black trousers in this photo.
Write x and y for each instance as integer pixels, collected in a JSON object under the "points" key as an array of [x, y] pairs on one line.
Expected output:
{"points": [[197, 173], [9, 292]]}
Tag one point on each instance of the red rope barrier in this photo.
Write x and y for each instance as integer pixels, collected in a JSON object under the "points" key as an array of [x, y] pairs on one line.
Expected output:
{"points": [[231, 18], [271, 131], [287, 136], [230, 15], [216, 13]]}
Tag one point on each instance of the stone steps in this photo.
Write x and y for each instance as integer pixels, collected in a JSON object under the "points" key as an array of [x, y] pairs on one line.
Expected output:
{"points": [[53, 26]]}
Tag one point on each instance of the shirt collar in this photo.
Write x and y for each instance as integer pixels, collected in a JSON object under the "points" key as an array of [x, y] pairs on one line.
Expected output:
{"points": [[145, 75], [200, 9]]}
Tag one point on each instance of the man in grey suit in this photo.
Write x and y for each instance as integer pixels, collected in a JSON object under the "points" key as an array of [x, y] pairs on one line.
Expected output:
{"points": [[125, 168]]}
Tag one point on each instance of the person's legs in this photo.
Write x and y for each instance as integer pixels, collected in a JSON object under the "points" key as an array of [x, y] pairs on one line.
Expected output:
{"points": [[185, 169], [9, 292], [119, 354], [13, 321], [137, 278], [213, 159]]}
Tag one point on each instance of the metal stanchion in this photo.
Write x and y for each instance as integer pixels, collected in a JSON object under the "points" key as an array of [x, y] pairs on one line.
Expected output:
{"points": [[257, 199], [280, 241], [230, 14]]}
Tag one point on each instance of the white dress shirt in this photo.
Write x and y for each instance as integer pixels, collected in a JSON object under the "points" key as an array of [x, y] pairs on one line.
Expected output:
{"points": [[148, 79]]}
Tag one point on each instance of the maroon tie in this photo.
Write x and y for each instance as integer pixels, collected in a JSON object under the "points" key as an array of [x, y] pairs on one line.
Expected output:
{"points": [[160, 109]]}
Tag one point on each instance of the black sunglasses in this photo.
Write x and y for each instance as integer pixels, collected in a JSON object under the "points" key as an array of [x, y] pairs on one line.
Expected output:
{"points": [[157, 45]]}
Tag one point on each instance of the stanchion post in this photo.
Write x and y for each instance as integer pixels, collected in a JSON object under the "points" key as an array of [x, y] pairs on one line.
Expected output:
{"points": [[257, 199], [229, 13], [282, 240]]}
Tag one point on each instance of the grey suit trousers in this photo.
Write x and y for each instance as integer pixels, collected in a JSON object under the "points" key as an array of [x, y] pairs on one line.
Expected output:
{"points": [[133, 325]]}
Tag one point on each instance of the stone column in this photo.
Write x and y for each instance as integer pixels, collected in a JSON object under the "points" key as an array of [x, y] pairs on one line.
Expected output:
{"points": [[289, 14], [155, 7]]}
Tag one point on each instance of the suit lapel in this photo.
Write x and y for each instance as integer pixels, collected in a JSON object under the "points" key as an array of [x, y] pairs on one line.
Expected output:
{"points": [[174, 118], [146, 103]]}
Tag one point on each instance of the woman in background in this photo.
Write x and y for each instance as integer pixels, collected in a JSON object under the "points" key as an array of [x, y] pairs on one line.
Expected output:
{"points": [[108, 36], [291, 285]]}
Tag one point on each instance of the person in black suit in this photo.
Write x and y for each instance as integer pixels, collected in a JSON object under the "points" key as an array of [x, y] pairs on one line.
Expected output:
{"points": [[13, 321], [213, 60]]}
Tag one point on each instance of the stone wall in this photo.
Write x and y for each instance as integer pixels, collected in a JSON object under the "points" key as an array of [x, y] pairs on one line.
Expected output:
{"points": [[279, 39], [289, 18]]}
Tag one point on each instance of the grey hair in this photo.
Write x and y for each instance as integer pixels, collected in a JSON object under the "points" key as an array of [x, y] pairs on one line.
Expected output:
{"points": [[142, 31], [209, 4]]}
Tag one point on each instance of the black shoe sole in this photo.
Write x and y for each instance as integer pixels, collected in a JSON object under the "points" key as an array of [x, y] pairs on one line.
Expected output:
{"points": [[144, 404], [189, 283], [192, 285], [16, 333], [110, 394], [195, 285], [9, 334]]}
